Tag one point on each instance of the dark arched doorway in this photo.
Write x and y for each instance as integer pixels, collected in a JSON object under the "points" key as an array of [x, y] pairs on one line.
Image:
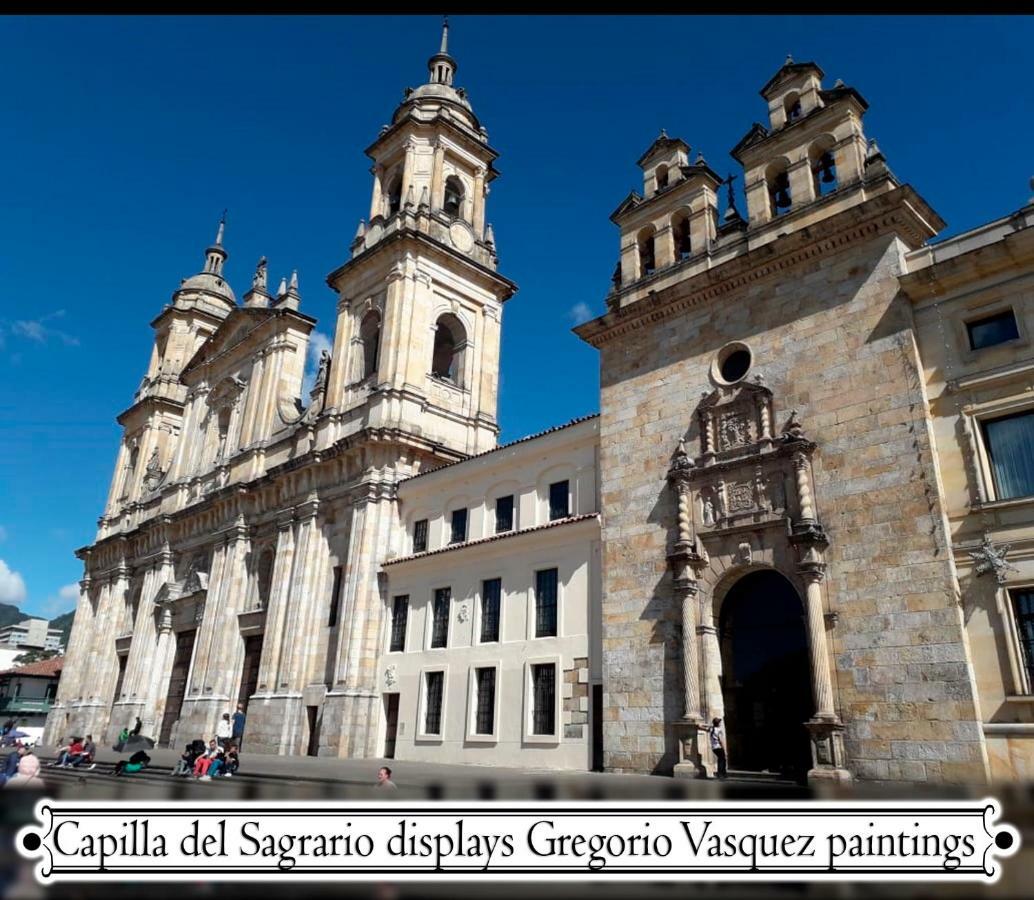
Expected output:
{"points": [[766, 678]]}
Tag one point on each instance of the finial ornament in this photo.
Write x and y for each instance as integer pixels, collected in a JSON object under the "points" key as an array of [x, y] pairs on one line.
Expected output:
{"points": [[445, 35], [793, 430], [731, 212], [221, 231], [280, 291], [293, 284], [789, 60]]}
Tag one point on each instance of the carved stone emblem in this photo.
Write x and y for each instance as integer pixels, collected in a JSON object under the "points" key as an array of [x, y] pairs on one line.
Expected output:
{"points": [[734, 429], [464, 613], [990, 558], [391, 675], [741, 496], [153, 474]]}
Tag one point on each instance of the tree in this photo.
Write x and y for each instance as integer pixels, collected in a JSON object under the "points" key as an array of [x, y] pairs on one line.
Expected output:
{"points": [[31, 656]]}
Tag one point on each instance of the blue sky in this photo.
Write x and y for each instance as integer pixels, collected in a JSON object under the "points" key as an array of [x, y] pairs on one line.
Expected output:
{"points": [[126, 137]]}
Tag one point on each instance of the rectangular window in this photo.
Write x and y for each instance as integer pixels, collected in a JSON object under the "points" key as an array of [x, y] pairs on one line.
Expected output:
{"points": [[491, 594], [545, 603], [558, 508], [399, 617], [991, 330], [543, 684], [433, 710], [420, 536], [504, 514], [1023, 613], [485, 718], [459, 526], [1009, 441], [335, 596], [440, 617]]}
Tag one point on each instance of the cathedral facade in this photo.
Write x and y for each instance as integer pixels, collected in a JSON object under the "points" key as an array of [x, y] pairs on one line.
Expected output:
{"points": [[806, 505]]}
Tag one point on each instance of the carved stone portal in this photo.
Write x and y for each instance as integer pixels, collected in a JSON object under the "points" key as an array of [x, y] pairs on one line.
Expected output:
{"points": [[746, 494]]}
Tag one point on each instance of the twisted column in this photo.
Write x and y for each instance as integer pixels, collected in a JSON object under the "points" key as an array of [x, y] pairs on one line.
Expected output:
{"points": [[804, 497]]}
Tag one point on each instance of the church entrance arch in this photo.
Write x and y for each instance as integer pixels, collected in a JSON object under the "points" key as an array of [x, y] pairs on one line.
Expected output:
{"points": [[766, 676]]}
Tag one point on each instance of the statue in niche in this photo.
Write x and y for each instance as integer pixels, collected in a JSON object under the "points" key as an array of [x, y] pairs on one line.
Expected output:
{"points": [[322, 372], [709, 512], [153, 474]]}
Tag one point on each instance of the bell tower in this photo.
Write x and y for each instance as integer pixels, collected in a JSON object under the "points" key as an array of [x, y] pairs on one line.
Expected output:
{"points": [[420, 301]]}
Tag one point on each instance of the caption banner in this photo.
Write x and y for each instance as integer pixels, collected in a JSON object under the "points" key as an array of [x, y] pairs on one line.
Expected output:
{"points": [[534, 840]]}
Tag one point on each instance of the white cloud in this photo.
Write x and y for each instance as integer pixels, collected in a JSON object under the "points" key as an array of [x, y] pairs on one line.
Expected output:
{"points": [[318, 342], [12, 585], [36, 330], [580, 313]]}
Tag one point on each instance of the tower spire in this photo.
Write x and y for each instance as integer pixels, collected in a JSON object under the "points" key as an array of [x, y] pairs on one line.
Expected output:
{"points": [[442, 66], [222, 229], [215, 255]]}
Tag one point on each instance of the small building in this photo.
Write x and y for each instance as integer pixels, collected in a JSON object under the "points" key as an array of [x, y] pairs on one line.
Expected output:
{"points": [[490, 650], [31, 634], [27, 693]]}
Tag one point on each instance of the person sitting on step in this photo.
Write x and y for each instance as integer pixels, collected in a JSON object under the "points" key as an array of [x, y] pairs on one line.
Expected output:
{"points": [[202, 763]]}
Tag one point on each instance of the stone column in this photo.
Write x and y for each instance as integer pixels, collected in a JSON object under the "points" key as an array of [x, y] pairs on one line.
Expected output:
{"points": [[822, 683], [407, 170], [158, 678], [479, 203], [75, 665], [225, 649], [377, 201], [764, 417], [279, 592], [714, 704], [804, 497], [437, 173]]}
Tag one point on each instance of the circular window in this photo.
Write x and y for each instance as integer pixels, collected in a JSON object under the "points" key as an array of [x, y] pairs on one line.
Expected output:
{"points": [[732, 363]]}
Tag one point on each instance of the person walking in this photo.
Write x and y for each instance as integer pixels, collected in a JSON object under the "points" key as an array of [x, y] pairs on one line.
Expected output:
{"points": [[384, 779], [238, 724], [224, 730], [717, 732]]}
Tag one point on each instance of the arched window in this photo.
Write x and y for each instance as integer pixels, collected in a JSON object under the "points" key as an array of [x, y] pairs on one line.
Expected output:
{"points": [[778, 179], [450, 340], [264, 578], [661, 176], [453, 203], [369, 340], [647, 263], [792, 107], [394, 195], [680, 235], [823, 167]]}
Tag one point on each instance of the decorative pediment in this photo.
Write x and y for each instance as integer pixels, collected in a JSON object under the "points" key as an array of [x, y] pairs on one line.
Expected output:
{"points": [[735, 419], [233, 330]]}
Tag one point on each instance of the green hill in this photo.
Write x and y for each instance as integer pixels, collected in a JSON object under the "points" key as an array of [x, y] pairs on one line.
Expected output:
{"points": [[65, 624]]}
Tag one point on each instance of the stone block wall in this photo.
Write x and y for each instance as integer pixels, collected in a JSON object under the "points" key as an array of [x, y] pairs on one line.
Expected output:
{"points": [[832, 336]]}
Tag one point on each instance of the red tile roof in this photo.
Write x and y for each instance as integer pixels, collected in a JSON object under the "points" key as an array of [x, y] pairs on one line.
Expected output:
{"points": [[45, 668]]}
